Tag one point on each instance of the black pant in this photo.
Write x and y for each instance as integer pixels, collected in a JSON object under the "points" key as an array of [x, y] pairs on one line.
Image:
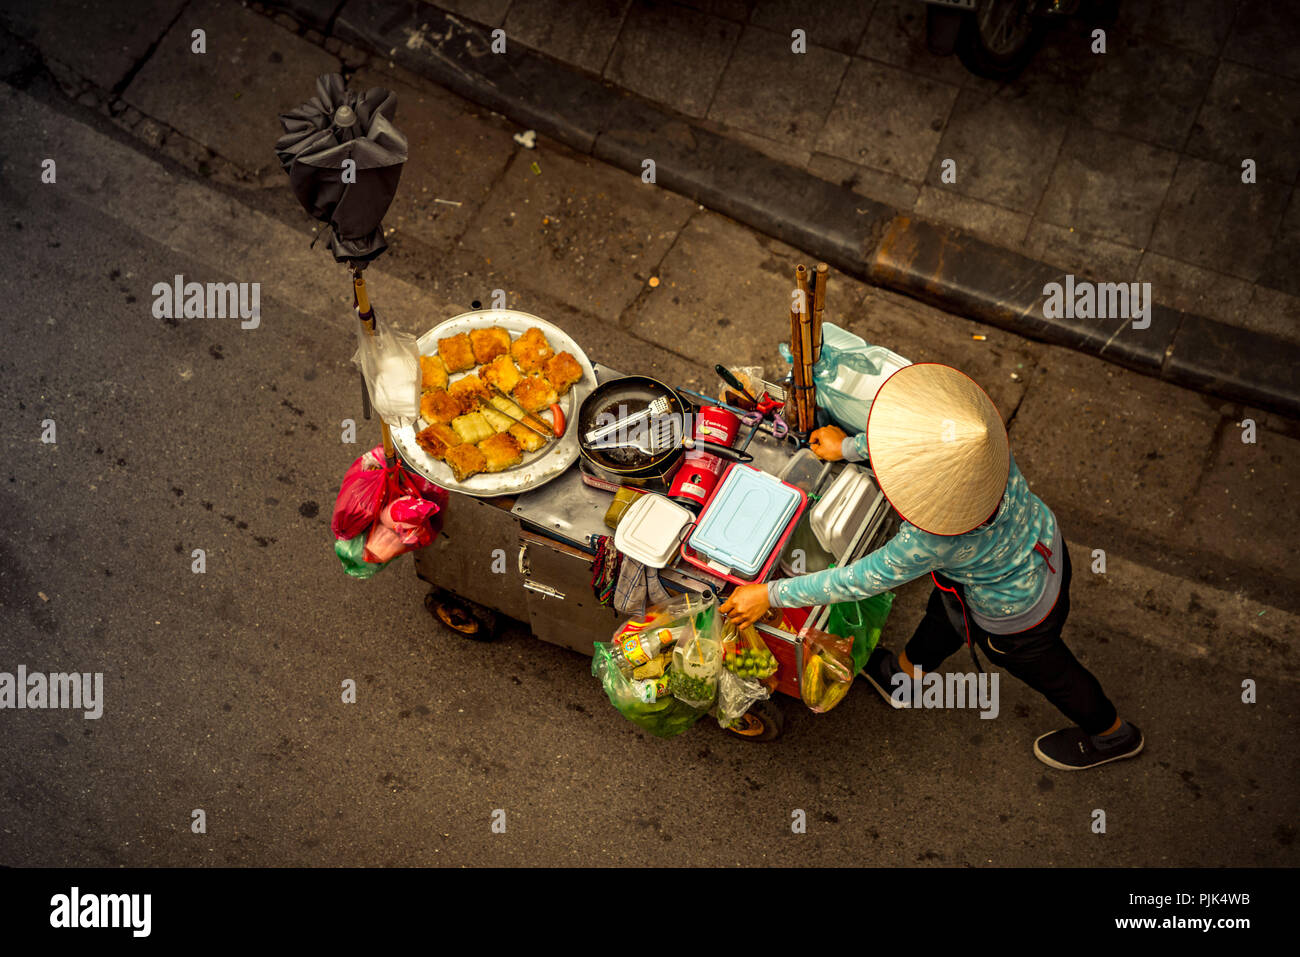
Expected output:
{"points": [[1037, 656]]}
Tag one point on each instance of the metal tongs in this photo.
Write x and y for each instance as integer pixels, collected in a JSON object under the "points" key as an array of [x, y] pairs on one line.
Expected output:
{"points": [[658, 407], [548, 435]]}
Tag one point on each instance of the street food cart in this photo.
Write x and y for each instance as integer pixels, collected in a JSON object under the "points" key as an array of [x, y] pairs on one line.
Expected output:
{"points": [[522, 543], [525, 521]]}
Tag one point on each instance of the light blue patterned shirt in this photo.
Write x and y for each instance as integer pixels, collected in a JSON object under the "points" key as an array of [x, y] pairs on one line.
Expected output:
{"points": [[1004, 575]]}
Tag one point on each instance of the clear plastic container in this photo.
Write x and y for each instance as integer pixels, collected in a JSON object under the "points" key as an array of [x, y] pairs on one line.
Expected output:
{"points": [[804, 470], [699, 659], [804, 544]]}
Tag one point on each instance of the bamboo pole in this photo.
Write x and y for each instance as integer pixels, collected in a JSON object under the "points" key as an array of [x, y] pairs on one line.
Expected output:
{"points": [[804, 303], [819, 304], [809, 396], [367, 317], [796, 364], [801, 280]]}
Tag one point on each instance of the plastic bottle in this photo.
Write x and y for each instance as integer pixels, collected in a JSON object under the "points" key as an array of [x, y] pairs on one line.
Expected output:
{"points": [[650, 690], [636, 648]]}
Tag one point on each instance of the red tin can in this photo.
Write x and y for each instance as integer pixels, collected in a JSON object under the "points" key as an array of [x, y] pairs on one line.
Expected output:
{"points": [[695, 480], [713, 424]]}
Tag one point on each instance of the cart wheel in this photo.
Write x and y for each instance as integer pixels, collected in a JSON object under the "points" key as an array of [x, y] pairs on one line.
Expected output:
{"points": [[468, 619], [762, 722]]}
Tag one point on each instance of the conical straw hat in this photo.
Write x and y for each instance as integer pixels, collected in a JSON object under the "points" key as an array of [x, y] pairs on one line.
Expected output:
{"points": [[938, 448]]}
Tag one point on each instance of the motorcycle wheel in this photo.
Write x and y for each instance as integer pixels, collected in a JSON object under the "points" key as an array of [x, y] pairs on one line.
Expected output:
{"points": [[999, 38]]}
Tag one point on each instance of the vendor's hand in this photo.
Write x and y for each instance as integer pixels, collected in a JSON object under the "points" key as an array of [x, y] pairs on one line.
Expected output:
{"points": [[827, 443], [747, 604]]}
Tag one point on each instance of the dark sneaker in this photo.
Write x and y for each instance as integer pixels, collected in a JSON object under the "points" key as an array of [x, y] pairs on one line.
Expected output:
{"points": [[1072, 749], [880, 670]]}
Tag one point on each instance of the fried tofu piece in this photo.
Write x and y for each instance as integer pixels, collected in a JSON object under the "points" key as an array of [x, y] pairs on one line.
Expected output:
{"points": [[501, 452], [457, 353], [498, 420], [534, 393], [502, 373], [489, 343], [471, 390], [465, 460], [437, 439], [512, 410], [531, 350], [528, 440], [440, 406], [562, 371], [472, 428], [433, 374]]}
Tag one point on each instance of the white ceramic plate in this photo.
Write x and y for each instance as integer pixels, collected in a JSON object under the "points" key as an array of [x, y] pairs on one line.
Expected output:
{"points": [[538, 467]]}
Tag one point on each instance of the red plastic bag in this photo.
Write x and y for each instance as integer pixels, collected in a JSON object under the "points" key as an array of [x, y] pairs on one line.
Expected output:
{"points": [[390, 509], [404, 522], [361, 495], [368, 484]]}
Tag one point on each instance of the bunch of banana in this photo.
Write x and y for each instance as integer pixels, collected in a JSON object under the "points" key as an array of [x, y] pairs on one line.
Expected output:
{"points": [[825, 682]]}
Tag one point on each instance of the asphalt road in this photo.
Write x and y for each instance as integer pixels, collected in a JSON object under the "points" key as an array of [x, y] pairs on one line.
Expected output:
{"points": [[223, 689]]}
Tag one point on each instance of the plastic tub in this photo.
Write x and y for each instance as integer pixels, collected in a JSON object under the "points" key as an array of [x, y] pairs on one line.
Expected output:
{"points": [[745, 525], [804, 470], [651, 529]]}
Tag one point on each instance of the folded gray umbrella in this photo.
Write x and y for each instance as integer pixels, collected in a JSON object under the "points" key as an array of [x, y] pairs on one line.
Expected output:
{"points": [[335, 125]]}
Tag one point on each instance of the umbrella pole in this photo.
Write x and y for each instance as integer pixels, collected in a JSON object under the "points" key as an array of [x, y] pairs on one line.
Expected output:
{"points": [[367, 317]]}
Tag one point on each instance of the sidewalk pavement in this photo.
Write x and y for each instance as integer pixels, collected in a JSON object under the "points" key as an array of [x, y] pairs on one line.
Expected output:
{"points": [[1104, 166], [1124, 166]]}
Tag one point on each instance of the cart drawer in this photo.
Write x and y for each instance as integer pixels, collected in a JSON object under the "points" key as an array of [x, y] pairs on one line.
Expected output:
{"points": [[475, 556], [557, 589]]}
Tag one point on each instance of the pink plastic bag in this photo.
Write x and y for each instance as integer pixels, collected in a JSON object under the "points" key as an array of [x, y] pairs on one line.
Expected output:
{"points": [[383, 544], [409, 516], [404, 525]]}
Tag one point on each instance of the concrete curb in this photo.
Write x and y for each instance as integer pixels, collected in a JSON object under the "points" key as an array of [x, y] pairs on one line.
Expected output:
{"points": [[871, 241]]}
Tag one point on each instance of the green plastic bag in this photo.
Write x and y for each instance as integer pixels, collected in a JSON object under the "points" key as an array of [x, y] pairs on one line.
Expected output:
{"points": [[352, 553], [665, 718], [862, 621]]}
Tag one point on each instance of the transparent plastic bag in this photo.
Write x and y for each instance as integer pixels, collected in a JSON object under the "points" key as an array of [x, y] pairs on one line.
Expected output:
{"points": [[664, 717], [848, 374], [736, 695], [827, 670], [745, 654], [662, 628], [697, 658], [390, 361]]}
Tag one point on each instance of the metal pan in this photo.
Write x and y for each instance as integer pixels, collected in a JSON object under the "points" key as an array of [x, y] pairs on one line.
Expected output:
{"points": [[619, 398]]}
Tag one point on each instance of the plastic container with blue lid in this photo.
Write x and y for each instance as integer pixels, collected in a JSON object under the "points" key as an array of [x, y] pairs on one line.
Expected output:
{"points": [[745, 520]]}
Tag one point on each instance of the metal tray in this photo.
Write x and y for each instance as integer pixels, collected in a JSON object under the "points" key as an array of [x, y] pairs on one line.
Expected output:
{"points": [[537, 468]]}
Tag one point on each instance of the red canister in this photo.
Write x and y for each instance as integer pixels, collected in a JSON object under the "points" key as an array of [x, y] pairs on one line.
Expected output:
{"points": [[714, 424], [695, 479], [699, 472]]}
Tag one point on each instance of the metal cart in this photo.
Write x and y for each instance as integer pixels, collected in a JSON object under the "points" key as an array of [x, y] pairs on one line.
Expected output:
{"points": [[529, 557]]}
